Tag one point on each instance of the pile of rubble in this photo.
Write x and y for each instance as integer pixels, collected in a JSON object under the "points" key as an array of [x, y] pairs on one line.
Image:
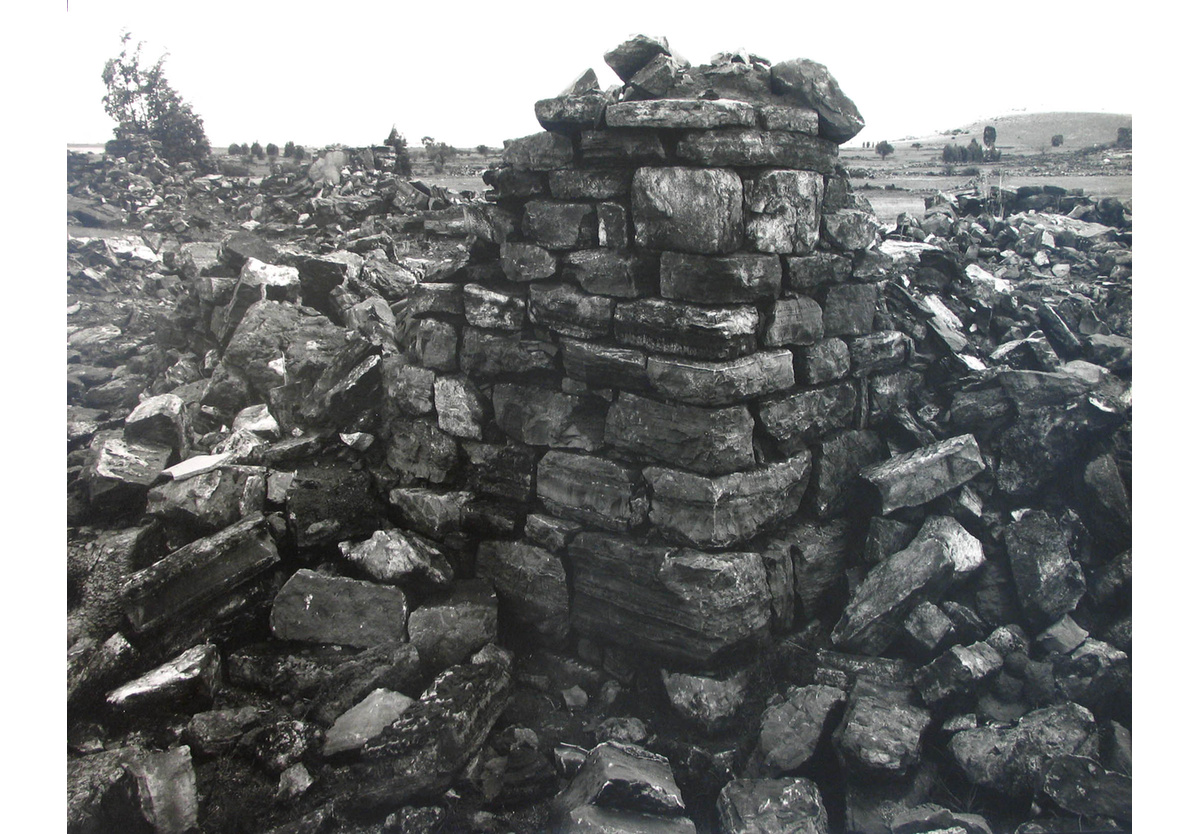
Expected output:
{"points": [[677, 498]]}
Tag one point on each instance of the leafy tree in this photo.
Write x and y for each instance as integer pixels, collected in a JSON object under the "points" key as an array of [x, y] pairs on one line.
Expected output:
{"points": [[143, 102], [289, 150], [974, 151], [1056, 140], [256, 151], [400, 145], [989, 136], [1125, 137], [481, 149], [438, 153], [272, 150], [235, 149], [884, 148]]}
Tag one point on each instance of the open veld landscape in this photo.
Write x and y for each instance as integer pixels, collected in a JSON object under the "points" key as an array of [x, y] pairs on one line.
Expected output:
{"points": [[678, 468]]}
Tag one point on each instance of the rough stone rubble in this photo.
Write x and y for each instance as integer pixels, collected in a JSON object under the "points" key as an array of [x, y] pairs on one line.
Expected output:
{"points": [[680, 496]]}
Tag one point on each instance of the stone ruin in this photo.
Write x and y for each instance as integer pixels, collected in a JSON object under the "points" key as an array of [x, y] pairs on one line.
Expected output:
{"points": [[668, 435]]}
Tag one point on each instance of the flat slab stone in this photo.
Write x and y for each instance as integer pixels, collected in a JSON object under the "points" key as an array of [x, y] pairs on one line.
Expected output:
{"points": [[728, 279], [720, 383], [751, 806], [809, 84], [539, 416], [581, 184], [800, 418], [791, 730], [612, 272], [364, 721], [727, 510], [394, 557], [711, 441], [526, 261], [313, 608], [532, 585], [592, 490], [912, 479], [603, 366], [185, 682], [783, 211], [165, 785], [794, 321], [490, 353], [560, 225], [749, 147], [784, 117], [678, 604], [681, 113], [568, 310], [597, 819], [493, 310], [630, 56], [544, 151], [687, 209], [686, 329]]}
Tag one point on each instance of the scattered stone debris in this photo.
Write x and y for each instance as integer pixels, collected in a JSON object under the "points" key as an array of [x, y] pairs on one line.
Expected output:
{"points": [[660, 488]]}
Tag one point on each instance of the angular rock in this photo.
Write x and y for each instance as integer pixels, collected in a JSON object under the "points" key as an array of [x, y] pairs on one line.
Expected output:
{"points": [[218, 731], [120, 470], [620, 147], [212, 500], [544, 151], [803, 417], [823, 361], [540, 417], [394, 558], [510, 184], [783, 211], [964, 550], [186, 682], [557, 226], [681, 113], [549, 532], [726, 510], [93, 668], [159, 421], [795, 119], [420, 450], [880, 736], [612, 272], [493, 310], [601, 366], [1093, 674], [750, 147], [435, 346], [461, 408], [675, 603], [597, 819], [960, 671], [927, 817], [794, 321], [503, 471], [581, 184], [835, 462], [878, 352], [708, 702], [711, 441], [928, 628], [791, 731], [625, 777], [750, 806], [728, 279], [1049, 582], [850, 230], [849, 309], [532, 586], [526, 262], [408, 387], [330, 502], [200, 572], [364, 721], [575, 112], [448, 630], [686, 329], [821, 553], [278, 342], [720, 383], [891, 590], [565, 309], [592, 490], [809, 84], [687, 209], [312, 608], [488, 353], [1081, 786], [1063, 637], [165, 786], [807, 272], [917, 477]]}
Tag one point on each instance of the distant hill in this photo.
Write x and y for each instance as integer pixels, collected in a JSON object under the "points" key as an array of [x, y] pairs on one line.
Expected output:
{"points": [[1031, 132]]}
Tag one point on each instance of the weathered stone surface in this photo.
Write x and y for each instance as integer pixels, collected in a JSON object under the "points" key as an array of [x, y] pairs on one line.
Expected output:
{"points": [[558, 226], [159, 421], [749, 147], [794, 321], [93, 667], [549, 532], [727, 279], [891, 590], [611, 272], [821, 553], [720, 383], [687, 209], [329, 502], [418, 756], [447, 630], [597, 819], [1062, 637], [809, 84], [526, 261], [511, 184], [420, 450], [1049, 582], [807, 272], [681, 113], [759, 806], [964, 550], [312, 608], [278, 342], [672, 602], [592, 490], [575, 112], [783, 211], [217, 731], [581, 184], [120, 469], [408, 387], [487, 353], [850, 230], [258, 281], [927, 817], [532, 586], [878, 352], [461, 408], [792, 729], [396, 558], [959, 671], [210, 501], [565, 309], [712, 441], [186, 682], [612, 221], [503, 471], [620, 147], [782, 117], [540, 417], [849, 309], [493, 310], [801, 418], [880, 736], [824, 361], [165, 787], [630, 56], [601, 366], [836, 459], [623, 776], [435, 346], [912, 479], [708, 702], [927, 628], [726, 510], [364, 721], [544, 151], [1079, 785], [1014, 760], [686, 329], [199, 572]]}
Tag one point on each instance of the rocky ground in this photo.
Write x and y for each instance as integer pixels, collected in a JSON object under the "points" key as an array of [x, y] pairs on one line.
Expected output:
{"points": [[272, 628]]}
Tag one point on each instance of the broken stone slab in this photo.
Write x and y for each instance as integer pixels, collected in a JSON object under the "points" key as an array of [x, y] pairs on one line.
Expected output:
{"points": [[791, 731], [488, 353], [161, 421], [447, 630], [806, 273], [419, 755], [312, 608], [549, 532], [539, 416], [434, 346], [532, 586], [1014, 760], [849, 309], [836, 460], [526, 261], [1079, 785], [502, 471], [1034, 389], [783, 211], [630, 56], [602, 366], [726, 279], [565, 309], [679, 604], [258, 281], [710, 441], [681, 113], [959, 671], [543, 151], [257, 419], [210, 501], [891, 590], [461, 407], [121, 470], [278, 342], [592, 490], [216, 732], [364, 721], [1048, 580], [708, 702], [964, 550], [917, 477], [1062, 637], [620, 147], [749, 147], [800, 321], [927, 629], [439, 297], [583, 184], [200, 572], [729, 509], [687, 209], [420, 450], [625, 777], [798, 419], [809, 84], [493, 310], [880, 735], [712, 333], [164, 786], [560, 225], [596, 819], [94, 667], [612, 272], [720, 383], [824, 361], [877, 353], [749, 806], [185, 682], [573, 112], [850, 230], [396, 558]]}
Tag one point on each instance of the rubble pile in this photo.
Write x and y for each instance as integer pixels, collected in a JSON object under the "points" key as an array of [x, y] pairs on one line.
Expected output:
{"points": [[683, 496]]}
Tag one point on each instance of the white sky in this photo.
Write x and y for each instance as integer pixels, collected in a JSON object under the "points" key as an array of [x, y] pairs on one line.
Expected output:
{"points": [[469, 72]]}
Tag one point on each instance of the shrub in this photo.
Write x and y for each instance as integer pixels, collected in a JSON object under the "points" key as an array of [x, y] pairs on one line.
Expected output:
{"points": [[481, 150], [235, 149], [289, 150], [272, 150], [989, 136], [1056, 140], [256, 151], [438, 153]]}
